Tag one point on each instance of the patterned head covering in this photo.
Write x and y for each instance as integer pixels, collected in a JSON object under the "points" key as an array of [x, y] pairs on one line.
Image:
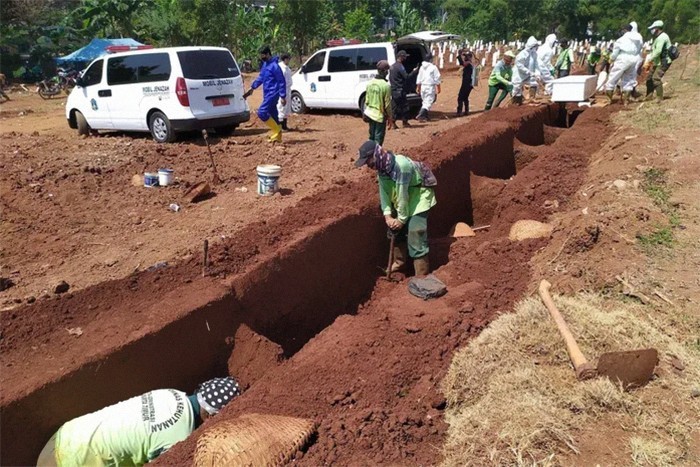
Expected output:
{"points": [[214, 394]]}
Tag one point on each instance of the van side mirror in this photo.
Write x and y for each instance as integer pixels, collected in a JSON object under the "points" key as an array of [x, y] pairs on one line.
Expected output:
{"points": [[80, 82], [303, 69]]}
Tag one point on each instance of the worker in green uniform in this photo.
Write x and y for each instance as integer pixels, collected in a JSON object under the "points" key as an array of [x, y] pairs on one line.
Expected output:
{"points": [[500, 79], [593, 59], [406, 195], [606, 58], [658, 60], [137, 430], [565, 60], [378, 104]]}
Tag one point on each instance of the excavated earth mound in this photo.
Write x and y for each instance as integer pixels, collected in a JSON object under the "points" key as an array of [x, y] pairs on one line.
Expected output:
{"points": [[293, 307]]}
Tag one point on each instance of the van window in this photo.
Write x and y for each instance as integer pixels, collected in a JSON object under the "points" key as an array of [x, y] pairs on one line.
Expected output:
{"points": [[142, 68], [208, 64], [342, 60], [315, 63], [93, 75], [367, 58]]}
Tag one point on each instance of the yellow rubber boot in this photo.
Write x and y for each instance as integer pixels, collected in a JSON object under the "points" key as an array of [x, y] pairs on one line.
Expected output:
{"points": [[275, 130]]}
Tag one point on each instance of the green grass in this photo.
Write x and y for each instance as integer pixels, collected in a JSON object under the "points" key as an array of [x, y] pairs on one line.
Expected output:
{"points": [[660, 236], [655, 185]]}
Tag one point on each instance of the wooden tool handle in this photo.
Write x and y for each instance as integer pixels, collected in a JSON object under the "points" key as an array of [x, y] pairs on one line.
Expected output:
{"points": [[391, 257], [584, 370]]}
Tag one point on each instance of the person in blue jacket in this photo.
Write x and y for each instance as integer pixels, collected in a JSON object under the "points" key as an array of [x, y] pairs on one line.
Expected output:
{"points": [[274, 89]]}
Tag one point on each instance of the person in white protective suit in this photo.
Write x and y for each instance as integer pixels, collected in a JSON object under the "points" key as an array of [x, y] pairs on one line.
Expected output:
{"points": [[428, 86], [525, 69], [283, 110], [626, 58], [544, 62]]}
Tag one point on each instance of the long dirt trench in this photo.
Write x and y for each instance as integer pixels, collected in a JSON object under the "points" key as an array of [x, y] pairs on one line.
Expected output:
{"points": [[293, 308]]}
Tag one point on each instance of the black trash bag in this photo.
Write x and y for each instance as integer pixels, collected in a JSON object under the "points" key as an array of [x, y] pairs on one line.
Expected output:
{"points": [[427, 287]]}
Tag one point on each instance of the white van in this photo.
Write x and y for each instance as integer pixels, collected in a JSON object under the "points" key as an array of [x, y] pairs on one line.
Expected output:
{"points": [[164, 91], [336, 77]]}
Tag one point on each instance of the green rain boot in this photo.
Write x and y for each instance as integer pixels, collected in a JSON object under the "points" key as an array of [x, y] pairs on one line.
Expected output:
{"points": [[626, 98], [609, 95], [659, 92]]}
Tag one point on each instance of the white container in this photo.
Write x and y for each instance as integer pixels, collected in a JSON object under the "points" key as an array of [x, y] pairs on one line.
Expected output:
{"points": [[575, 88], [268, 179], [165, 177]]}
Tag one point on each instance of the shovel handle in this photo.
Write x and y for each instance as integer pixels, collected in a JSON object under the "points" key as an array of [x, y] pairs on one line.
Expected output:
{"points": [[584, 370], [391, 257]]}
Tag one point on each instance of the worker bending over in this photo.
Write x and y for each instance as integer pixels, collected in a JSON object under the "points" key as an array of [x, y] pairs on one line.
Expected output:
{"points": [[500, 80], [274, 89], [427, 85], [406, 196], [137, 430]]}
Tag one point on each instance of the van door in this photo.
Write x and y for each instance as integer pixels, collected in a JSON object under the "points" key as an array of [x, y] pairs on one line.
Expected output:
{"points": [[214, 83], [94, 97], [342, 77], [139, 83], [306, 81]]}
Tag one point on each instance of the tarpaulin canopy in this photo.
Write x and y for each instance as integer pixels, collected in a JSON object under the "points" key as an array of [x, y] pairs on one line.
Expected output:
{"points": [[96, 48]]}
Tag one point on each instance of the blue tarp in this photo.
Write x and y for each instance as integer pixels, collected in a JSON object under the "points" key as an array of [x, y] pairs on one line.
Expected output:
{"points": [[96, 48]]}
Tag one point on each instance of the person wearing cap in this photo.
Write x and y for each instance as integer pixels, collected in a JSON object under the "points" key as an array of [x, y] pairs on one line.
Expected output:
{"points": [[284, 109], [427, 85], [525, 68], [405, 202], [658, 61], [378, 103], [625, 56], [500, 80], [465, 61], [398, 79], [544, 62], [274, 89], [137, 430], [565, 60]]}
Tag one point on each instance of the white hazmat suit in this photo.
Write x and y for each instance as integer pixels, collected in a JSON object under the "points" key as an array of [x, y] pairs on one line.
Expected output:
{"points": [[428, 79], [283, 111], [525, 67], [626, 57], [545, 53]]}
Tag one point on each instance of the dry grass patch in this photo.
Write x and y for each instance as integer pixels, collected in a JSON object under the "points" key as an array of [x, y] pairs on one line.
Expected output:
{"points": [[513, 398]]}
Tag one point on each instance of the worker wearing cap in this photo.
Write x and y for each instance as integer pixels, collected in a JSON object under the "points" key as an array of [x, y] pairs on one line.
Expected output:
{"points": [[427, 86], [274, 89], [137, 430], [525, 68], [626, 52], [398, 78], [658, 61], [405, 202], [500, 80], [378, 103]]}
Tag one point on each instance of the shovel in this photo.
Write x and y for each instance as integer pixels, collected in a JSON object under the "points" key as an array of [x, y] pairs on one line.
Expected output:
{"points": [[392, 240], [632, 368], [215, 180]]}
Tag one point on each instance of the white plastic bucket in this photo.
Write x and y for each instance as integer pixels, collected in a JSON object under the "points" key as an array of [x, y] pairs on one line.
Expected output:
{"points": [[150, 179], [268, 179], [165, 177]]}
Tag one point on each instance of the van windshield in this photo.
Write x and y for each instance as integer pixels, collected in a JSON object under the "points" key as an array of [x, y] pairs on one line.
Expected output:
{"points": [[208, 64]]}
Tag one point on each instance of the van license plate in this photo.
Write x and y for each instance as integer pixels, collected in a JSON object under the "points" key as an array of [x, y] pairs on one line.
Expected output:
{"points": [[220, 101]]}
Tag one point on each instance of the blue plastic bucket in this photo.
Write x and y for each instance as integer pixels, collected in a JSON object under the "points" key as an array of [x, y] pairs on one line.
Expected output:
{"points": [[150, 179]]}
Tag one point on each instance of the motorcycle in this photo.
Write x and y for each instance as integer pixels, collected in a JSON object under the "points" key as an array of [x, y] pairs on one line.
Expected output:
{"points": [[48, 88]]}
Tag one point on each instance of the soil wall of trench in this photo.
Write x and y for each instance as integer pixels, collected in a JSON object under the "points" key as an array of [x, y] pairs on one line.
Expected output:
{"points": [[271, 290]]}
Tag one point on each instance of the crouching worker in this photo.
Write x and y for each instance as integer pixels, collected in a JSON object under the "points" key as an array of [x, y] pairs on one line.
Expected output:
{"points": [[137, 430], [406, 194], [500, 80]]}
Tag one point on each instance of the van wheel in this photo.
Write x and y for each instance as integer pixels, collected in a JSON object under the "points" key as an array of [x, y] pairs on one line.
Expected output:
{"points": [[362, 104], [226, 130], [83, 127], [297, 104], [161, 129]]}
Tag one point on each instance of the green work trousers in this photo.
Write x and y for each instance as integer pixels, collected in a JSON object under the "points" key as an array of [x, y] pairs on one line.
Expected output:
{"points": [[415, 233], [377, 130], [493, 90], [654, 79]]}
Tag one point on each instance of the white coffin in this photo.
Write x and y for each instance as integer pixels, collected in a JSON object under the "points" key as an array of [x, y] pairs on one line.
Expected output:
{"points": [[575, 88]]}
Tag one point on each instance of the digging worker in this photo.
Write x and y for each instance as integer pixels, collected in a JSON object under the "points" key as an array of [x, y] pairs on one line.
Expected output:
{"points": [[500, 80], [378, 103], [526, 66], [397, 80], [406, 195], [658, 61], [626, 55], [137, 430], [274, 89], [427, 86]]}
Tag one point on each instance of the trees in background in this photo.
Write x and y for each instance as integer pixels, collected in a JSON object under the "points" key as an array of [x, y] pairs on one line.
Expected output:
{"points": [[36, 30]]}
